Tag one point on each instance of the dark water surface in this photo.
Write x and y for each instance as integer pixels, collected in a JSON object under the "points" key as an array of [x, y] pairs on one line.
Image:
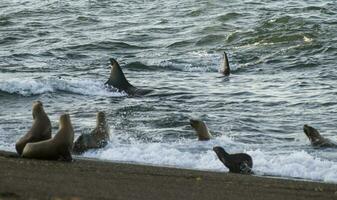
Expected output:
{"points": [[283, 59]]}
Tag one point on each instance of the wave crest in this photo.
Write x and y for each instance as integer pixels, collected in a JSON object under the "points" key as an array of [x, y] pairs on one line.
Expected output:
{"points": [[29, 87]]}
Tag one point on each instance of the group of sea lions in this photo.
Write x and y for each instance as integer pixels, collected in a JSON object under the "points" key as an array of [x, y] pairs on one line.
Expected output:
{"points": [[37, 142]]}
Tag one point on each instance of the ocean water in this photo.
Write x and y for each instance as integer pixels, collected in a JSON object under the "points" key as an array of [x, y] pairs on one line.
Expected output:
{"points": [[283, 57]]}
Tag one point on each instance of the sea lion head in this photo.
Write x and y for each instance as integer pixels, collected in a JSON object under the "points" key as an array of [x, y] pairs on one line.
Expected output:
{"points": [[311, 133], [100, 118], [65, 121], [66, 130], [221, 153], [201, 129], [37, 109], [82, 143]]}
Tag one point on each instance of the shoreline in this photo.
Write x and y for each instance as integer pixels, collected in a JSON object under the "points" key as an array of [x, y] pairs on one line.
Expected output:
{"points": [[95, 179]]}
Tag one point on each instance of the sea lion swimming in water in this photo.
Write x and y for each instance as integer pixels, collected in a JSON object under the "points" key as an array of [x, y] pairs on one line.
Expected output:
{"points": [[237, 163], [118, 80], [98, 138], [224, 68], [40, 130], [315, 137], [56, 148], [201, 129]]}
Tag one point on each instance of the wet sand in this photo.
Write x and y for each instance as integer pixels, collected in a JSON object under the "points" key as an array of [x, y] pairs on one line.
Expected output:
{"points": [[92, 179]]}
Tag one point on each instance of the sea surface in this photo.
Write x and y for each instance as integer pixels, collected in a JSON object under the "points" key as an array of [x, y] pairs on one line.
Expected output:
{"points": [[283, 56]]}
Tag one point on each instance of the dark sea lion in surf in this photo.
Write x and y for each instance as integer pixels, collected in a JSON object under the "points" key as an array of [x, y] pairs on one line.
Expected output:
{"points": [[200, 129], [57, 148], [224, 68], [315, 137], [236, 163], [40, 130], [98, 138], [118, 81]]}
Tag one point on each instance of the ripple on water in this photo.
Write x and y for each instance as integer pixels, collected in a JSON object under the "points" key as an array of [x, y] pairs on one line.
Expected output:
{"points": [[282, 56]]}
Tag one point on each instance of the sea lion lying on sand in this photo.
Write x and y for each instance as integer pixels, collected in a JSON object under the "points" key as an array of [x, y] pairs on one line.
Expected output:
{"points": [[315, 137], [40, 130], [118, 80], [98, 138], [237, 163], [56, 148], [201, 129]]}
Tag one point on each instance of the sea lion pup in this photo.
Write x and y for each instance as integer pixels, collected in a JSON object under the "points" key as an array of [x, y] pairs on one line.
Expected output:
{"points": [[201, 129], [118, 80], [56, 148], [237, 163], [98, 138], [40, 130], [315, 137], [224, 68]]}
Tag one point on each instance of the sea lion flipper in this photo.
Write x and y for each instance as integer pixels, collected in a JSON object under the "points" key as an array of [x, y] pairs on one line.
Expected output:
{"points": [[225, 69], [66, 156], [245, 169]]}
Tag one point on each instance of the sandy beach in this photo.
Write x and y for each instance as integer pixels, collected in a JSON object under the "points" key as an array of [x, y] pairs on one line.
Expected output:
{"points": [[92, 179]]}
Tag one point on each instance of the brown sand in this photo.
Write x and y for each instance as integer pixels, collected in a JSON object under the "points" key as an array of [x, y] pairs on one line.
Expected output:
{"points": [[91, 179]]}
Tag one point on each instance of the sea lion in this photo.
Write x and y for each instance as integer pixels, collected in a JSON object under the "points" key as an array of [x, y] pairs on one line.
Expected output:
{"points": [[56, 148], [201, 129], [236, 163], [98, 138], [315, 137], [224, 68], [118, 81], [40, 130]]}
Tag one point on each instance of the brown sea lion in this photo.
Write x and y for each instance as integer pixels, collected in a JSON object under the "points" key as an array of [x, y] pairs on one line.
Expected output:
{"points": [[40, 130], [118, 81], [201, 129], [98, 138], [315, 137], [56, 148], [236, 163], [224, 68]]}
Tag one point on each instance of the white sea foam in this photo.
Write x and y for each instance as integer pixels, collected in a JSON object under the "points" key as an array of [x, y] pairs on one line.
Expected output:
{"points": [[297, 164], [199, 155], [29, 86], [196, 61]]}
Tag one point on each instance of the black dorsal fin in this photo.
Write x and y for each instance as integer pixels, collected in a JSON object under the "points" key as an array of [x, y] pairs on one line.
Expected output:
{"points": [[225, 70], [117, 78]]}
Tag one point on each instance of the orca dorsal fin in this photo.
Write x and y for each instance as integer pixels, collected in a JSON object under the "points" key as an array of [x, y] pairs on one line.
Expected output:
{"points": [[117, 78], [225, 70]]}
